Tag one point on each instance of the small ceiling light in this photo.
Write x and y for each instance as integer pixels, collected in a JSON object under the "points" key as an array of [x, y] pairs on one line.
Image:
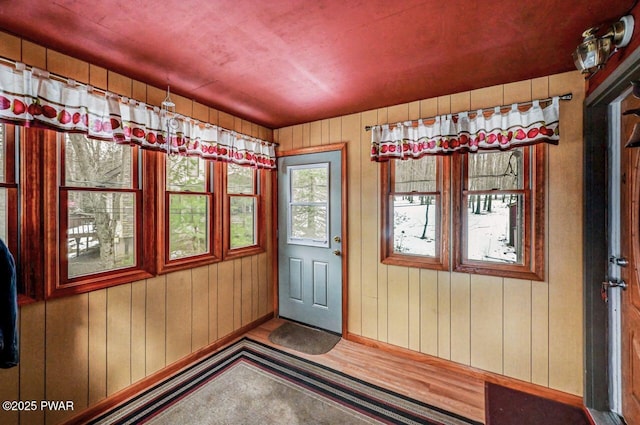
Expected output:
{"points": [[591, 55]]}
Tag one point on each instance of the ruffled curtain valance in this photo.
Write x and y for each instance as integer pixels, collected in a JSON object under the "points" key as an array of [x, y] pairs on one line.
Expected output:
{"points": [[467, 132], [29, 97]]}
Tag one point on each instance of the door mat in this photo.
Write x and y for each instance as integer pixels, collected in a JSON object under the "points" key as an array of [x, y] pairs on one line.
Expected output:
{"points": [[303, 338], [508, 406]]}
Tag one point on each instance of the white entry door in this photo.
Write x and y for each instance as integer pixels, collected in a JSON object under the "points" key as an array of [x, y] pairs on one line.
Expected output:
{"points": [[310, 239]]}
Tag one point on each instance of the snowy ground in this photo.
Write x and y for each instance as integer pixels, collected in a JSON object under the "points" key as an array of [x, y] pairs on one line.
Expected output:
{"points": [[487, 232]]}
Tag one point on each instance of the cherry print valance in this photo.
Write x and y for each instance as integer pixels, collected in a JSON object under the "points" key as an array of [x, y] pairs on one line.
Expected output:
{"points": [[29, 97], [467, 132]]}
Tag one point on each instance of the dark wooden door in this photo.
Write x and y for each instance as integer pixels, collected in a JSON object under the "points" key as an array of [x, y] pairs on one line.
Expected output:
{"points": [[630, 239]]}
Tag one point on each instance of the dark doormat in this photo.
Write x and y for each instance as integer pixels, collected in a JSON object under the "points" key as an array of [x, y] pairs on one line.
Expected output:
{"points": [[506, 407], [303, 338]]}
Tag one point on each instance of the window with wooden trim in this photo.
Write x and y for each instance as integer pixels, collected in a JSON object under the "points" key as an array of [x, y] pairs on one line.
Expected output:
{"points": [[415, 212], [499, 228], [8, 188], [100, 211], [191, 224], [243, 208]]}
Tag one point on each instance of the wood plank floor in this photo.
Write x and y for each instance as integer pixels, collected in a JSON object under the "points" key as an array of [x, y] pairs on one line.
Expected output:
{"points": [[452, 391]]}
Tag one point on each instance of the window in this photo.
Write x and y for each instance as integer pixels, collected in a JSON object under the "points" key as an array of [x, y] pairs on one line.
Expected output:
{"points": [[8, 189], [243, 232], [415, 212], [497, 204], [500, 222], [190, 206], [308, 219], [100, 208]]}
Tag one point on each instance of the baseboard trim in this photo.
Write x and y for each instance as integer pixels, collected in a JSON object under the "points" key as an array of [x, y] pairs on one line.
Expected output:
{"points": [[127, 393], [491, 377]]}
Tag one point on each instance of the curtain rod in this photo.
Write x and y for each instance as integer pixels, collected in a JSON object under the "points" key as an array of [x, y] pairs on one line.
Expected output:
{"points": [[567, 96], [120, 97]]}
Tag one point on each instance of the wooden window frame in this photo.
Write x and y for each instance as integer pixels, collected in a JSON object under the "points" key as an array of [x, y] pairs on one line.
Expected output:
{"points": [[58, 284], [533, 194], [259, 183], [213, 191], [387, 254]]}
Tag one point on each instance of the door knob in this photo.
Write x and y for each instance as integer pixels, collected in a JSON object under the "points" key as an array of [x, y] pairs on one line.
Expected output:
{"points": [[337, 252]]}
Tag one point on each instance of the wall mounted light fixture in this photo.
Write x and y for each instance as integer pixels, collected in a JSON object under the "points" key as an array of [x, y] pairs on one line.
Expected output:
{"points": [[591, 55]]}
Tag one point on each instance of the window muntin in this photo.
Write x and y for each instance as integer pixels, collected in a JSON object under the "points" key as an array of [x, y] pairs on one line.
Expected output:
{"points": [[189, 202], [414, 212], [308, 219], [100, 201]]}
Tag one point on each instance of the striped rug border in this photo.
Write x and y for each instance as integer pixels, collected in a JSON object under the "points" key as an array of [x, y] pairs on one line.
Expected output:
{"points": [[369, 399]]}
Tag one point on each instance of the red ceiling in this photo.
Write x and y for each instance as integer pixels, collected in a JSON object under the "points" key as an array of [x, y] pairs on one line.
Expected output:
{"points": [[277, 62]]}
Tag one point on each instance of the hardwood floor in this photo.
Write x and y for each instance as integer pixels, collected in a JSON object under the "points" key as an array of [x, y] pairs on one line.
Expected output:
{"points": [[430, 384]]}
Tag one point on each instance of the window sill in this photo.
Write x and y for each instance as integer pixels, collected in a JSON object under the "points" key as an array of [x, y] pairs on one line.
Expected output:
{"points": [[514, 272], [93, 283], [243, 252], [187, 263], [415, 261]]}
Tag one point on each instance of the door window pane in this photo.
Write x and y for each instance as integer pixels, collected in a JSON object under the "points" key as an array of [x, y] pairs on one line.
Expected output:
{"points": [[309, 222], [310, 184], [101, 229]]}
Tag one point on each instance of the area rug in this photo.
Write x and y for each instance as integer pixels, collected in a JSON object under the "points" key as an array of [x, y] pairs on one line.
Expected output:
{"points": [[508, 406], [303, 338], [252, 383]]}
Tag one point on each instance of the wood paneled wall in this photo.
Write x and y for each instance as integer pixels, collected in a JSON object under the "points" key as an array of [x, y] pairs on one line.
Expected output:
{"points": [[86, 347], [527, 330]]}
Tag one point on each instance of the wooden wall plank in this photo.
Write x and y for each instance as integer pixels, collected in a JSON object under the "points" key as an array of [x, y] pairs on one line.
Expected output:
{"points": [[517, 329], [324, 133], [118, 338], [246, 290], [179, 315], [138, 330], [398, 306], [67, 351], [255, 288], [237, 294], [264, 270], [119, 84], [67, 66], [306, 135], [315, 133], [444, 314], [487, 97], [352, 132], [486, 323], [565, 242], [200, 112], [382, 268], [369, 241], [429, 108], [540, 333], [32, 360], [461, 318], [213, 302], [460, 102], [414, 309], [200, 307], [10, 46], [335, 130], [225, 298], [98, 344], [10, 390], [285, 138], [98, 77], [156, 324], [139, 91], [296, 137], [429, 312], [34, 55], [517, 92]]}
